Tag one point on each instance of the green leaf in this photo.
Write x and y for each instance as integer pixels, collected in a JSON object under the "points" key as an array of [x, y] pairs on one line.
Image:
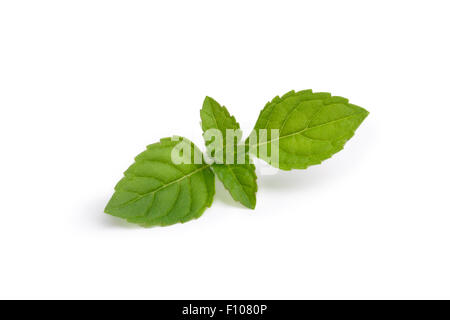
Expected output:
{"points": [[216, 117], [312, 127], [157, 191], [238, 179]]}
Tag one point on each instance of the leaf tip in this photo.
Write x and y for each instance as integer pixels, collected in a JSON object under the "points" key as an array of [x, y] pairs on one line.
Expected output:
{"points": [[208, 100], [252, 206]]}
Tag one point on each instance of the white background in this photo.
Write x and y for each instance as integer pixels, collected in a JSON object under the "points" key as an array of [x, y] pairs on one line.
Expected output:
{"points": [[86, 85]]}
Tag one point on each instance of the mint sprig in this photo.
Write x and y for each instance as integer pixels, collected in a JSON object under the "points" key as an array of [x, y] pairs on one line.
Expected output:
{"points": [[294, 131]]}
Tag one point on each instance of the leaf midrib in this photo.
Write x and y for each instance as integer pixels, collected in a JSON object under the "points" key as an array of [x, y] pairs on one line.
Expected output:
{"points": [[305, 129], [140, 196], [239, 183]]}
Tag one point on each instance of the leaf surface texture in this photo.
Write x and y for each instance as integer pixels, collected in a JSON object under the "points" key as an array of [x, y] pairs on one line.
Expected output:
{"points": [[156, 191], [312, 127], [239, 179]]}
